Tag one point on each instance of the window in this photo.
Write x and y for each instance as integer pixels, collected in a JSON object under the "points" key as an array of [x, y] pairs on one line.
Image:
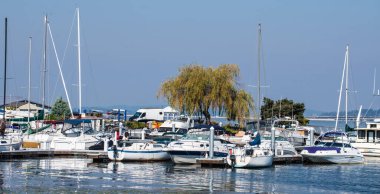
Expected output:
{"points": [[378, 134], [361, 134], [372, 126]]}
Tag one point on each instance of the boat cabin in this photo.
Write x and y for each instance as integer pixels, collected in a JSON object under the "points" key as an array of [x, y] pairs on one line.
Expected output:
{"points": [[369, 134]]}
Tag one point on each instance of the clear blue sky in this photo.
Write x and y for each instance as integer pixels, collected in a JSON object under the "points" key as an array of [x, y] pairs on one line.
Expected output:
{"points": [[129, 47]]}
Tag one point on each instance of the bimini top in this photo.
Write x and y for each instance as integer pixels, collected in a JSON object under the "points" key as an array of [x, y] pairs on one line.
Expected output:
{"points": [[334, 134]]}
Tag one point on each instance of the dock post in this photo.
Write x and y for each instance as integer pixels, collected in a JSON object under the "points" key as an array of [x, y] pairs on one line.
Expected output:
{"points": [[105, 145], [311, 138], [273, 143], [142, 134], [211, 142]]}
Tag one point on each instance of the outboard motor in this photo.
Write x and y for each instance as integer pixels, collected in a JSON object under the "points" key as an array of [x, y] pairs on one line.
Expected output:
{"points": [[233, 160], [115, 152]]}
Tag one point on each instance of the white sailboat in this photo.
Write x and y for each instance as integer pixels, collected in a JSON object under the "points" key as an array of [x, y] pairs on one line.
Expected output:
{"points": [[8, 141], [334, 146], [252, 155], [368, 137]]}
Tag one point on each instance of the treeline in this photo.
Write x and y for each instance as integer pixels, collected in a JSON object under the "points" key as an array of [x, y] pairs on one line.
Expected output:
{"points": [[354, 113]]}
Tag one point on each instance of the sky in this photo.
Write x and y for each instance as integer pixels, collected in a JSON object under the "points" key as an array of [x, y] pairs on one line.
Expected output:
{"points": [[130, 47]]}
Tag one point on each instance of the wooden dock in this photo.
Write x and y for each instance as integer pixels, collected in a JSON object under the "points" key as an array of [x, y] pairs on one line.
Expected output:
{"points": [[96, 155]]}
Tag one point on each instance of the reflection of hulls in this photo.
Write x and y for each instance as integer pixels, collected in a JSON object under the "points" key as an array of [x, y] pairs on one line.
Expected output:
{"points": [[250, 158], [138, 152]]}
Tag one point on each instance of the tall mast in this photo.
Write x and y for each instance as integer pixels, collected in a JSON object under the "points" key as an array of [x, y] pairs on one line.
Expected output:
{"points": [[29, 76], [347, 53], [258, 82], [5, 64], [79, 67], [341, 88], [44, 67]]}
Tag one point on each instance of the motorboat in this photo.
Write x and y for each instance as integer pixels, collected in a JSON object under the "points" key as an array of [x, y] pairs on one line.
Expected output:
{"points": [[180, 123], [332, 147], [250, 156], [283, 148], [75, 135], [10, 143], [195, 145], [368, 139], [290, 128], [138, 150]]}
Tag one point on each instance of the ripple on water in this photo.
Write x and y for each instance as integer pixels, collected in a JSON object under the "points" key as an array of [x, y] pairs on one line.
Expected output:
{"points": [[61, 175]]}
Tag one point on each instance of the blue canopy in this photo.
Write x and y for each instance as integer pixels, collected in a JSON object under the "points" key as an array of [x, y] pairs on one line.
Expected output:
{"points": [[256, 141]]}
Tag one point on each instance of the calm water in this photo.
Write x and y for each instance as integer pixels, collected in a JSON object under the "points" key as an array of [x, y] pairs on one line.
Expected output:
{"points": [[80, 175]]}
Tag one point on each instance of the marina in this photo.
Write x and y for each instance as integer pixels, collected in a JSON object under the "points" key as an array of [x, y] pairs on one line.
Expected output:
{"points": [[189, 97]]}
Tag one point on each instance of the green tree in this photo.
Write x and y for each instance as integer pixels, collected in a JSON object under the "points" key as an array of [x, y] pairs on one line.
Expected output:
{"points": [[199, 90], [60, 110], [282, 108]]}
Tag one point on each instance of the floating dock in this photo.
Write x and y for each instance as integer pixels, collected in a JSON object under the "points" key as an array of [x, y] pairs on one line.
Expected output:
{"points": [[96, 155]]}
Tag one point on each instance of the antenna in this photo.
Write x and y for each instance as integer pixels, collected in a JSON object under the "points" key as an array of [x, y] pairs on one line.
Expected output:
{"points": [[374, 85]]}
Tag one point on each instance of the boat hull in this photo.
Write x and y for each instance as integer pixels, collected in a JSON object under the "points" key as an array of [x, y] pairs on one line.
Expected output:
{"points": [[10, 146], [251, 162], [333, 158], [141, 155], [368, 149], [189, 157]]}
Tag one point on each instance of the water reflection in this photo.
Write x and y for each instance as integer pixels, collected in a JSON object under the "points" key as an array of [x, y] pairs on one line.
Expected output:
{"points": [[71, 175]]}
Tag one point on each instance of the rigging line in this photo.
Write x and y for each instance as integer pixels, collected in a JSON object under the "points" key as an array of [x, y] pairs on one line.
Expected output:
{"points": [[60, 70], [68, 39]]}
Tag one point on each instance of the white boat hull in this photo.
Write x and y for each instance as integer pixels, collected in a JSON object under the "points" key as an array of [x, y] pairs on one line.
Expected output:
{"points": [[368, 149], [251, 162], [250, 157], [190, 156], [332, 155], [141, 155], [10, 146], [334, 159]]}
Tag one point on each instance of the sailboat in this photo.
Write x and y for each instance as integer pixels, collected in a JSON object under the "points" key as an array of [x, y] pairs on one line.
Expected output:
{"points": [[252, 155], [9, 141], [334, 146], [368, 137]]}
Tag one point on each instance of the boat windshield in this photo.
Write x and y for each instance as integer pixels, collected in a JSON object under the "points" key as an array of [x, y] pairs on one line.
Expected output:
{"points": [[332, 144], [196, 137]]}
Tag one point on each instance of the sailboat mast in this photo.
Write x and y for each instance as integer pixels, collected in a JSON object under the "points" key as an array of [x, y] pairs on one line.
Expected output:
{"points": [[79, 67], [258, 82], [5, 64], [346, 83], [29, 76], [341, 88], [44, 67]]}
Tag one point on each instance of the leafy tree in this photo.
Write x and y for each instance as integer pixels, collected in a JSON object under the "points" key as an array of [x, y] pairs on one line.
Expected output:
{"points": [[60, 110], [282, 108], [199, 90]]}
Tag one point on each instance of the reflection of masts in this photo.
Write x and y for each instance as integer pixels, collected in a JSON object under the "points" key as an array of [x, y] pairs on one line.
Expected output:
{"points": [[5, 63]]}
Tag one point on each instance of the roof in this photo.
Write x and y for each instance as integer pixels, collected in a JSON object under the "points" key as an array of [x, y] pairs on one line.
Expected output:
{"points": [[23, 102]]}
